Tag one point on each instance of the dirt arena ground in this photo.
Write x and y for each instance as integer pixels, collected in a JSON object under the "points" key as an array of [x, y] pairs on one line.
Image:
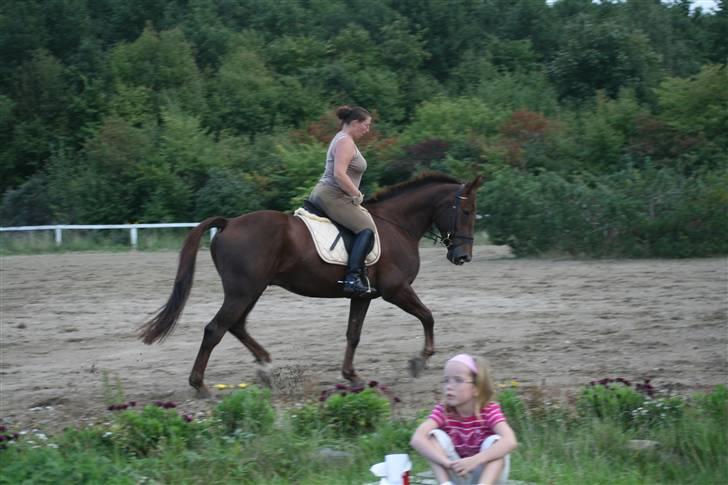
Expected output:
{"points": [[68, 320]]}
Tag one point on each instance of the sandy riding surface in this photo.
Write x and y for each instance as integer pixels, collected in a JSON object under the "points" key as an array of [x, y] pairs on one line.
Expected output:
{"points": [[69, 320]]}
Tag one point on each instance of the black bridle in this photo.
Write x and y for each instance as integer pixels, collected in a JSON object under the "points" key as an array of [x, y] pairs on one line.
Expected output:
{"points": [[450, 236]]}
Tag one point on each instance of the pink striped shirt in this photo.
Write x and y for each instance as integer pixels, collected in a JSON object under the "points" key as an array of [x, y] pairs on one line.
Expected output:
{"points": [[467, 434]]}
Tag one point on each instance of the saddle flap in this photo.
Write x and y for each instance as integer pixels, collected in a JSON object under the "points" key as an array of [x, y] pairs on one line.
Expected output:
{"points": [[327, 237]]}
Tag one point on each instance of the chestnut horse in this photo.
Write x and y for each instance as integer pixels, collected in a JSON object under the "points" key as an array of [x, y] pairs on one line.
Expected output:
{"points": [[265, 248]]}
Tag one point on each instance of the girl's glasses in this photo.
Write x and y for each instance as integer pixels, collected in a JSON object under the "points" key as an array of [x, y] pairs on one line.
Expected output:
{"points": [[455, 381]]}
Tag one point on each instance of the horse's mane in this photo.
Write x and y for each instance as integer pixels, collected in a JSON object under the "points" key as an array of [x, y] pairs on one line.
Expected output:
{"points": [[421, 180]]}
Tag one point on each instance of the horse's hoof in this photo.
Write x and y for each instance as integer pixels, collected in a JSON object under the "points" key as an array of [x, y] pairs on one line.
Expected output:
{"points": [[203, 393], [416, 365], [352, 377], [264, 376]]}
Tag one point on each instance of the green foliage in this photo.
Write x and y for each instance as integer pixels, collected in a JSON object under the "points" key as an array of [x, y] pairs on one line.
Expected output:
{"points": [[451, 120], [137, 111], [227, 193], [27, 205], [246, 411], [155, 445], [714, 403], [513, 408], [144, 433], [603, 55], [629, 213], [698, 105], [660, 411], [613, 401], [306, 420], [162, 67], [342, 414], [355, 413]]}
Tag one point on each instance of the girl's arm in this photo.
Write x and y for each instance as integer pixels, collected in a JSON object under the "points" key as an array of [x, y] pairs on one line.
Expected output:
{"points": [[506, 444], [424, 445], [345, 151]]}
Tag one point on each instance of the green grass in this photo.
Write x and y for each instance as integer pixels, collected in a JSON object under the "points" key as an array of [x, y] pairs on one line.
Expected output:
{"points": [[556, 445]]}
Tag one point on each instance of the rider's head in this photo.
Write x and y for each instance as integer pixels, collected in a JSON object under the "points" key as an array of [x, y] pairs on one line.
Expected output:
{"points": [[354, 119]]}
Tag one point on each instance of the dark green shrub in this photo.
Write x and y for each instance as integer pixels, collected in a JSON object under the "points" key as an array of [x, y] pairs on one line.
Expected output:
{"points": [[344, 411], [634, 213], [355, 413], [614, 401], [142, 433], [227, 193], [306, 420], [246, 411]]}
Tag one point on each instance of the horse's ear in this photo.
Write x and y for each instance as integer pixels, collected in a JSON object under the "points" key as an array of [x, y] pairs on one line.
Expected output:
{"points": [[471, 186]]}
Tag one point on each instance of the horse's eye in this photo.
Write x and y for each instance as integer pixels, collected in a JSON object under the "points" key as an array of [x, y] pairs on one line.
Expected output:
{"points": [[466, 212]]}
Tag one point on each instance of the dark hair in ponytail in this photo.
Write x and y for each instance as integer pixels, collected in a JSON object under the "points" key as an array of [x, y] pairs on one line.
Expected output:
{"points": [[347, 114]]}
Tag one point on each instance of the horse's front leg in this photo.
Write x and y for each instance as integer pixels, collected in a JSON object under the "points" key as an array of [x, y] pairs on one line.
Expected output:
{"points": [[406, 298], [357, 312]]}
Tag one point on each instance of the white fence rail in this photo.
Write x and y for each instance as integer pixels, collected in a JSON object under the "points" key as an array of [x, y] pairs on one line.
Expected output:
{"points": [[133, 229]]}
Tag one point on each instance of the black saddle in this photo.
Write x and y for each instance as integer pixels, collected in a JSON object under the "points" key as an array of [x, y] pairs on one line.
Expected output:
{"points": [[346, 234]]}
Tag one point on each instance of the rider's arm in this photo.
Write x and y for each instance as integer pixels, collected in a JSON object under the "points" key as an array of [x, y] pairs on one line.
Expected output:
{"points": [[345, 151]]}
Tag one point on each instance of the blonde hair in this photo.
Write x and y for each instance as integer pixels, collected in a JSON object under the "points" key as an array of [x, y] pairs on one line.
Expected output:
{"points": [[483, 382]]}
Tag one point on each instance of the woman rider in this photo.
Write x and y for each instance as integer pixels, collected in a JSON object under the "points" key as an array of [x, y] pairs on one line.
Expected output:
{"points": [[337, 192]]}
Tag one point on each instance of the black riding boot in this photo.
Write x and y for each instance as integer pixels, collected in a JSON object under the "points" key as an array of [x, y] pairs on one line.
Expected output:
{"points": [[355, 269]]}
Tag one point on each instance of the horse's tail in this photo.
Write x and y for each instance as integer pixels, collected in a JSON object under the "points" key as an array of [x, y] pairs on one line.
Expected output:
{"points": [[164, 321]]}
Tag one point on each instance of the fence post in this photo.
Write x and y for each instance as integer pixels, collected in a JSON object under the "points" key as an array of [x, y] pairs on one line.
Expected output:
{"points": [[59, 236], [213, 231], [133, 236]]}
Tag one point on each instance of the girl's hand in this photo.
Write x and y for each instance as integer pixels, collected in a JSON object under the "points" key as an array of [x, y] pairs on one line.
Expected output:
{"points": [[357, 199], [464, 466]]}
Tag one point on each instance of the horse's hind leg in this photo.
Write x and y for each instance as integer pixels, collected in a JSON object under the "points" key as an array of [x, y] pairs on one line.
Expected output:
{"points": [[232, 310], [260, 354], [357, 312]]}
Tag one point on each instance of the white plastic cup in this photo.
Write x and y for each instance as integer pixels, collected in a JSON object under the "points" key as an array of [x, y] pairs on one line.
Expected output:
{"points": [[396, 465]]}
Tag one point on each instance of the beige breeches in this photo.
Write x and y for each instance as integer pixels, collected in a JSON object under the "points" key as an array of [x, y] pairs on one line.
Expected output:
{"points": [[340, 208]]}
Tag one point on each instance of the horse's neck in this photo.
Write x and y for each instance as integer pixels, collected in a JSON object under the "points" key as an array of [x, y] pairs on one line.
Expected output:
{"points": [[414, 212]]}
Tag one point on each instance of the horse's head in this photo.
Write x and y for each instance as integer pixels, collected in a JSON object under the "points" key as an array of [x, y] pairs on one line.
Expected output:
{"points": [[455, 220]]}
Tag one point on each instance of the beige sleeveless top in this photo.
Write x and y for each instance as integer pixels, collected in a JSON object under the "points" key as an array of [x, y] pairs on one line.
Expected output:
{"points": [[355, 170]]}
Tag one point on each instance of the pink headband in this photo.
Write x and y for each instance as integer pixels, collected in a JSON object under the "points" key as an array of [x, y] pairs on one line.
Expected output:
{"points": [[468, 361]]}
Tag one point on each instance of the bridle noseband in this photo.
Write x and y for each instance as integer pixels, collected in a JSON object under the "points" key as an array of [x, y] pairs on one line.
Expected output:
{"points": [[452, 235]]}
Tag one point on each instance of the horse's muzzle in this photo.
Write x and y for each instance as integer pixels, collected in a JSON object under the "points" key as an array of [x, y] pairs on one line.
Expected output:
{"points": [[458, 257]]}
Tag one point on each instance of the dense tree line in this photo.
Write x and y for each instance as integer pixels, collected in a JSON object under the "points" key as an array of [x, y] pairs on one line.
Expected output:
{"points": [[602, 127]]}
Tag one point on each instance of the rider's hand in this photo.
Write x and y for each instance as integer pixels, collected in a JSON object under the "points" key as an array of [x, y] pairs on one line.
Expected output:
{"points": [[357, 199]]}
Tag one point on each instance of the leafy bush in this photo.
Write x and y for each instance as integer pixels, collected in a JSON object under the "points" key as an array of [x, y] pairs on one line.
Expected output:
{"points": [[355, 413], [651, 212], [142, 433], [344, 411], [615, 401], [227, 193], [246, 411]]}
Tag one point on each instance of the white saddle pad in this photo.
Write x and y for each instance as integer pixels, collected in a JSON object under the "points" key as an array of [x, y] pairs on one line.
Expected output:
{"points": [[324, 233]]}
